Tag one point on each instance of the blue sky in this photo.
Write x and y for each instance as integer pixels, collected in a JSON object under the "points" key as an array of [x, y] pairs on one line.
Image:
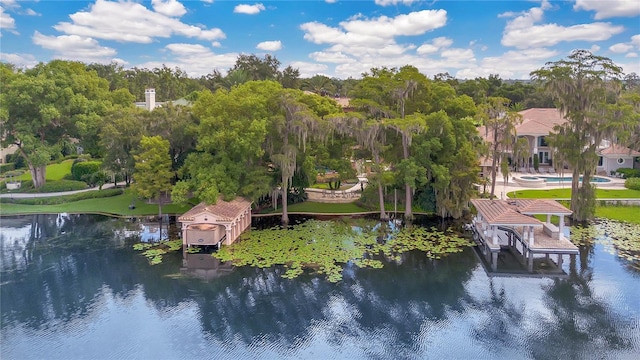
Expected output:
{"points": [[334, 37]]}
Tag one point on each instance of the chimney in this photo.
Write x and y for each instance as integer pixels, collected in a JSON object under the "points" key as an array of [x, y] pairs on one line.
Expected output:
{"points": [[150, 98]]}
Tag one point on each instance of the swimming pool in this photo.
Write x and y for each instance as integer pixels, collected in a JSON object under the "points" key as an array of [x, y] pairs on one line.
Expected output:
{"points": [[595, 179]]}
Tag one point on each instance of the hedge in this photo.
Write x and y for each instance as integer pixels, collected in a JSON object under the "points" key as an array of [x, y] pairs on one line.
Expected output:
{"points": [[632, 183], [62, 185], [54, 200], [7, 167], [79, 170], [629, 173]]}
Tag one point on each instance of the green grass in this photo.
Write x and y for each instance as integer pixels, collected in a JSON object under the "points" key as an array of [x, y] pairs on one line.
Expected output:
{"points": [[566, 194], [116, 205], [620, 213], [54, 171], [322, 208]]}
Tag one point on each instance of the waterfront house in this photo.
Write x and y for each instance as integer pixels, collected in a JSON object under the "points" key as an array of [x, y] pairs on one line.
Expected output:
{"points": [[215, 224]]}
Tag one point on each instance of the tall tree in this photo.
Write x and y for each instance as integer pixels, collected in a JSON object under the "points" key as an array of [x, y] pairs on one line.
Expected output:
{"points": [[584, 87], [500, 123], [51, 104], [265, 68], [153, 169]]}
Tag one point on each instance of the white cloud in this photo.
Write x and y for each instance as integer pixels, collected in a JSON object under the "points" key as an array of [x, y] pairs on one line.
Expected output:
{"points": [[521, 32], [635, 40], [248, 9], [374, 32], [74, 47], [394, 2], [609, 8], [631, 55], [31, 12], [195, 59], [216, 44], [515, 64], [269, 45], [436, 45], [130, 22], [308, 69], [20, 60], [594, 48], [331, 57], [169, 7], [9, 3], [330, 1], [7, 23], [620, 48], [208, 1]]}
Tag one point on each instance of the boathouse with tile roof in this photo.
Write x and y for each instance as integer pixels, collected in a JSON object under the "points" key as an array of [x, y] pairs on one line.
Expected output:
{"points": [[215, 224]]}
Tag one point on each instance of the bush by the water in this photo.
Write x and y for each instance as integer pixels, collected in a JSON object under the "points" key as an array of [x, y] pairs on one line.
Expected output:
{"points": [[54, 200], [632, 183]]}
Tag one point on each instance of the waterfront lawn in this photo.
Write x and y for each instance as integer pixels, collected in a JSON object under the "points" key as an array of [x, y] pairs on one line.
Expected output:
{"points": [[620, 213], [115, 205], [566, 194]]}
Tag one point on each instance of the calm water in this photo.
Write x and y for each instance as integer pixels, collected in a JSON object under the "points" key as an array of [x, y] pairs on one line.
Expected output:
{"points": [[72, 288]]}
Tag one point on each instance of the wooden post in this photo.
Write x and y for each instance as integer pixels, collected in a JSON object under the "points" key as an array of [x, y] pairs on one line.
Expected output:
{"points": [[560, 261], [530, 263], [494, 261]]}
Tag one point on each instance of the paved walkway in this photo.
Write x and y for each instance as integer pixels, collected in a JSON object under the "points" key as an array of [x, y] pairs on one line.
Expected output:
{"points": [[62, 193]]}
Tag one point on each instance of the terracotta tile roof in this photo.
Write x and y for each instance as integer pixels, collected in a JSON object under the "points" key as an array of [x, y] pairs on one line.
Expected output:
{"points": [[539, 121], [532, 207], [516, 212], [499, 212], [618, 150], [226, 210]]}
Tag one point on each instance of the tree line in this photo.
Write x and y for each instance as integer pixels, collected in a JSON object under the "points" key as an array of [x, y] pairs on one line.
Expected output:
{"points": [[255, 133]]}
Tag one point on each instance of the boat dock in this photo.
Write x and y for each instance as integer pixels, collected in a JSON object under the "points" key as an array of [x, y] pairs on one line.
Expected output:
{"points": [[510, 225]]}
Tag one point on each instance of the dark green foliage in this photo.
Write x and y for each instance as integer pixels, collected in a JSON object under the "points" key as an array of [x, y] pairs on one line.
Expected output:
{"points": [[17, 160], [536, 162], [62, 185], [81, 169], [4, 168], [632, 183], [64, 199], [629, 173]]}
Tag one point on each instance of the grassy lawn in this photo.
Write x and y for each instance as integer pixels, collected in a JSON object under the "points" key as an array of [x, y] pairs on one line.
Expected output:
{"points": [[54, 171], [566, 194], [620, 213], [323, 208], [116, 205]]}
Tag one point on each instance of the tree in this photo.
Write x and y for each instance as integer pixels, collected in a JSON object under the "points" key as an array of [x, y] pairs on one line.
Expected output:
{"points": [[153, 169], [500, 123], [257, 68], [49, 105], [585, 88], [120, 136]]}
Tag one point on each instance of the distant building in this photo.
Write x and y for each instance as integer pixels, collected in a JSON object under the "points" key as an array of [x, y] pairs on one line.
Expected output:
{"points": [[150, 101]]}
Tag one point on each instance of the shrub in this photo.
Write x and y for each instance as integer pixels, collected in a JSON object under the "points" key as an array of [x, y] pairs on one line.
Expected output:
{"points": [[17, 160], [632, 183], [83, 168], [7, 167], [629, 173], [64, 199], [62, 185]]}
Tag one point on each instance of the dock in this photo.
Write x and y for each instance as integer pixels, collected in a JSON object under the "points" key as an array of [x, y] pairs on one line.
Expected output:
{"points": [[510, 226]]}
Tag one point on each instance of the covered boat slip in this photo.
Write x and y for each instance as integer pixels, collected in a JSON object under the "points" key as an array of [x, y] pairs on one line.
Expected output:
{"points": [[509, 225], [215, 224]]}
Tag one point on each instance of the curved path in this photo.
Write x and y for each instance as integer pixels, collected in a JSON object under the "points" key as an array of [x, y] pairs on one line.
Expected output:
{"points": [[62, 193]]}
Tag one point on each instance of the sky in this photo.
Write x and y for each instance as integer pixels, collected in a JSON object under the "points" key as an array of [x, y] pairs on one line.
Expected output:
{"points": [[337, 38]]}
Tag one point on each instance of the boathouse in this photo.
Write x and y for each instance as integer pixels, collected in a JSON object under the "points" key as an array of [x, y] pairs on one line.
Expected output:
{"points": [[510, 225], [215, 224]]}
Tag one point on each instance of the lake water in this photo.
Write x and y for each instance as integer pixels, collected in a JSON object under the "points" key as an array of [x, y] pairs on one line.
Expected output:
{"points": [[73, 288]]}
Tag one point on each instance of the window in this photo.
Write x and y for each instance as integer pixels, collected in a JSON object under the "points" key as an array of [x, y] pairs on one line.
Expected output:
{"points": [[620, 161], [542, 141], [543, 156], [600, 161]]}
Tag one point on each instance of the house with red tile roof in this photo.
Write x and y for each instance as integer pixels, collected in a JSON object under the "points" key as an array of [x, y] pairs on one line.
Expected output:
{"points": [[538, 123]]}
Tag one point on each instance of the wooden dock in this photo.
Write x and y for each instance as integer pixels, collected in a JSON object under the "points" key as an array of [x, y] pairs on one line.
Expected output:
{"points": [[510, 226]]}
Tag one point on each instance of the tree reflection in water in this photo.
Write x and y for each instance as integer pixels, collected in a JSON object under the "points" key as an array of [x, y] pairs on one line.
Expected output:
{"points": [[57, 269]]}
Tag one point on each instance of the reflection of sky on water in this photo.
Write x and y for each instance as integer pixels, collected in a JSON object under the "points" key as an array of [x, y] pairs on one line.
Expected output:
{"points": [[112, 304]]}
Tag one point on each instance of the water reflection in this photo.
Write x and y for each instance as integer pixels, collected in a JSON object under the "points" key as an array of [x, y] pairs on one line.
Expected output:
{"points": [[72, 288]]}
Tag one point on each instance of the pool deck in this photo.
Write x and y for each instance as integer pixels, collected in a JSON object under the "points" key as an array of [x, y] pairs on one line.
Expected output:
{"points": [[502, 190]]}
